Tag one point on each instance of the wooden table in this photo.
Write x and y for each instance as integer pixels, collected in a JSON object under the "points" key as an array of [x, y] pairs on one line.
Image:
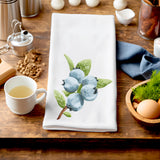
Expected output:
{"points": [[23, 136]]}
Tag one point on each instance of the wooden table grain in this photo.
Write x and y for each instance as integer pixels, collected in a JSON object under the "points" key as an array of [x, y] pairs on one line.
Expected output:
{"points": [[15, 128]]}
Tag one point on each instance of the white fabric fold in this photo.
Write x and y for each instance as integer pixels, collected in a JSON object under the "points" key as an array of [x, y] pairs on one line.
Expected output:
{"points": [[83, 37]]}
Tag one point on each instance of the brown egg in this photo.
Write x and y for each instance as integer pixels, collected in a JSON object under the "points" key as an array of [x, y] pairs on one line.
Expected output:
{"points": [[149, 109]]}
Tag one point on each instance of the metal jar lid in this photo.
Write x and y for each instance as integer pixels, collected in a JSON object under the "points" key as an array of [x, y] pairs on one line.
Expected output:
{"points": [[7, 1], [21, 40]]}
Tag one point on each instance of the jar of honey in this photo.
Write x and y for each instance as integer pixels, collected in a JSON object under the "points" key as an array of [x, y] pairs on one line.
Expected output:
{"points": [[149, 19]]}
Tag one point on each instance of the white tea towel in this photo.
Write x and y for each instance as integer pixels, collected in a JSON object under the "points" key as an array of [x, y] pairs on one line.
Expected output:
{"points": [[82, 37]]}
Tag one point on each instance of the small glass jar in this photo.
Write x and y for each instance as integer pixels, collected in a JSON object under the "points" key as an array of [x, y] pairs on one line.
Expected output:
{"points": [[149, 20]]}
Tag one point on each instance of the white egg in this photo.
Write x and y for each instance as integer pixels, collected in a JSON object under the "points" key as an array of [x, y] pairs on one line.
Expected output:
{"points": [[74, 2], [57, 4], [120, 4], [92, 3]]}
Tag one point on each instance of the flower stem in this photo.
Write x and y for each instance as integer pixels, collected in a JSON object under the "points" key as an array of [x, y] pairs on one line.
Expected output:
{"points": [[79, 88], [63, 110]]}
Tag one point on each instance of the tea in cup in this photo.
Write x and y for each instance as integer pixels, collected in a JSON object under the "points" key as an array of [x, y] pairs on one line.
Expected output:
{"points": [[21, 94]]}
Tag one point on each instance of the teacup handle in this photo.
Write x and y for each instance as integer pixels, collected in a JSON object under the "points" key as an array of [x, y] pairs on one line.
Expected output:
{"points": [[41, 90]]}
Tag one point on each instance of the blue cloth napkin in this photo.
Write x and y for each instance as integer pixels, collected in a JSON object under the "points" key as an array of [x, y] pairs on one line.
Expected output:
{"points": [[135, 61]]}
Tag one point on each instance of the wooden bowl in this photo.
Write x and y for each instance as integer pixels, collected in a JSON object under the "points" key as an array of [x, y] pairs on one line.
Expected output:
{"points": [[133, 111]]}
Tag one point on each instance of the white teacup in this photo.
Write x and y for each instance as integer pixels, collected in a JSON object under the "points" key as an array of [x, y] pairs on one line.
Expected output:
{"points": [[26, 104]]}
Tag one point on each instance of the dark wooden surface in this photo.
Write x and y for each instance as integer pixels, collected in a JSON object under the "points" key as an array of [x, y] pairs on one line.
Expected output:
{"points": [[26, 128]]}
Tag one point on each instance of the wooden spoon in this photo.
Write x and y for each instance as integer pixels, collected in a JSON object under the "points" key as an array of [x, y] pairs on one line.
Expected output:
{"points": [[149, 2]]}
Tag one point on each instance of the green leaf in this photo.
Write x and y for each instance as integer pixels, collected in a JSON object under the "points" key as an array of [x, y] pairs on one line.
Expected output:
{"points": [[85, 66], [66, 93], [67, 114], [70, 62], [103, 82], [60, 99]]}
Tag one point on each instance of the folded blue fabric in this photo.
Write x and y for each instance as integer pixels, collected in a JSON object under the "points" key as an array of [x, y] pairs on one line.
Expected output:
{"points": [[135, 61]]}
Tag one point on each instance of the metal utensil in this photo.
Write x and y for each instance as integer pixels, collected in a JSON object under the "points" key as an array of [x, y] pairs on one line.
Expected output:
{"points": [[30, 8], [9, 10], [20, 42]]}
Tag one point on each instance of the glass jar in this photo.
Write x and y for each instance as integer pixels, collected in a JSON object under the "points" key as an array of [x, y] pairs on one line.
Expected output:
{"points": [[149, 20]]}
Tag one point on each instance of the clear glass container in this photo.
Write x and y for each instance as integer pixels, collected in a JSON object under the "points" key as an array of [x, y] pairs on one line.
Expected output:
{"points": [[149, 20]]}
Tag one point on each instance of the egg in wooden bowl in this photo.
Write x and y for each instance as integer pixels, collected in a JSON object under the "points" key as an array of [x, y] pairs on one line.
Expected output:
{"points": [[146, 111]]}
